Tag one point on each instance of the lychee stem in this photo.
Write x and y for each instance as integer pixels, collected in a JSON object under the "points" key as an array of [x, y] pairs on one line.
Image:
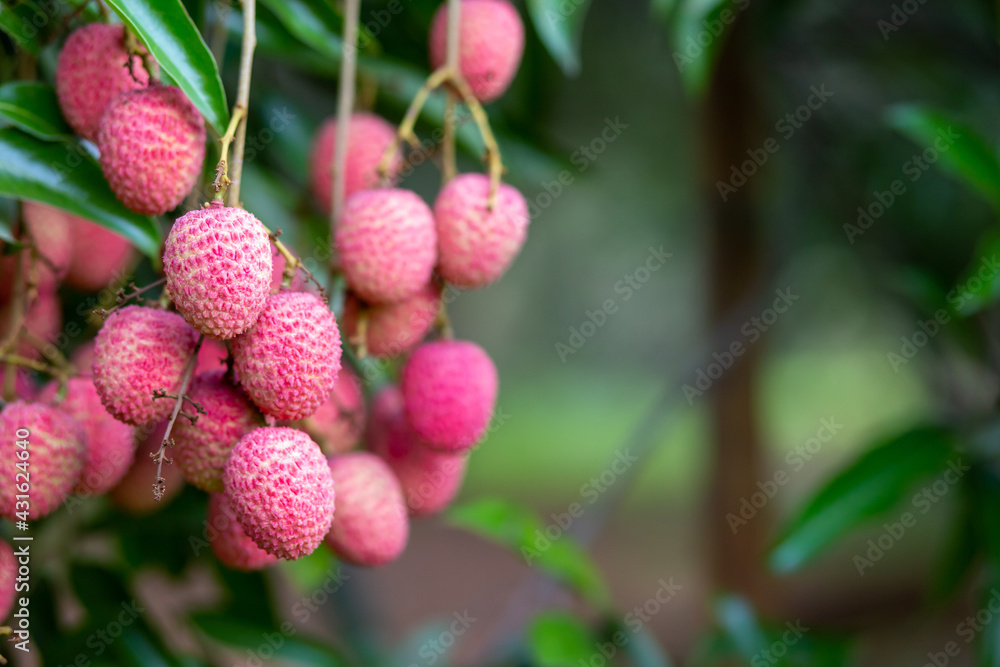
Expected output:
{"points": [[160, 485], [243, 96], [293, 263], [123, 297], [345, 106], [450, 168], [222, 181]]}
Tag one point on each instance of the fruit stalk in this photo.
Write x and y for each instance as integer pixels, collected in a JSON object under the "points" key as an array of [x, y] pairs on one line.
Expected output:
{"points": [[243, 97], [160, 485], [345, 105], [449, 170]]}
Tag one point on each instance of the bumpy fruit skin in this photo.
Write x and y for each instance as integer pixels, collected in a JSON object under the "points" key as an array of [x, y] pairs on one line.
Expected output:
{"points": [[100, 256], [57, 451], [92, 71], [231, 545], [371, 526], [8, 575], [337, 425], [289, 360], [110, 444], [393, 329], [368, 137], [201, 449], [152, 144], [218, 266], [138, 351], [134, 494], [491, 43], [430, 479], [475, 244], [449, 388], [387, 244], [280, 487]]}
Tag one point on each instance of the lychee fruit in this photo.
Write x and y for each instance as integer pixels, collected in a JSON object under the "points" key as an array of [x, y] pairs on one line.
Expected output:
{"points": [[50, 229], [393, 329], [429, 479], [229, 542], [338, 423], [83, 359], [371, 526], [152, 144], [288, 361], [110, 444], [56, 451], [491, 43], [93, 69], [8, 576], [100, 256], [368, 137], [476, 244], [201, 449], [218, 267], [212, 356], [280, 487], [138, 351], [134, 494], [449, 389], [387, 244], [43, 322]]}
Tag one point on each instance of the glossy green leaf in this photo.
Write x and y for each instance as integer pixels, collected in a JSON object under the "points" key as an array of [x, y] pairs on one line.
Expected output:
{"points": [[33, 107], [67, 177], [558, 639], [699, 30], [871, 486], [559, 24], [17, 21], [979, 285], [283, 642], [313, 22], [168, 32]]}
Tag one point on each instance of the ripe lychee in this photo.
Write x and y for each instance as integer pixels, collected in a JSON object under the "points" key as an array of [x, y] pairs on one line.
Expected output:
{"points": [[430, 479], [8, 575], [218, 267], [288, 361], [449, 389], [211, 356], [110, 444], [42, 324], [83, 359], [370, 526], [475, 244], [56, 451], [368, 137], [393, 329], [337, 424], [152, 144], [50, 229], [279, 485], [491, 43], [387, 244], [231, 545], [100, 256], [201, 448], [93, 69], [138, 351], [134, 494]]}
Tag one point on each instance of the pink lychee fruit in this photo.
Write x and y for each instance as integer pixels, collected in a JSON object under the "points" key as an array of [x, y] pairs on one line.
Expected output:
{"points": [[289, 359], [201, 448], [42, 322], [110, 444], [231, 545], [211, 356], [449, 389], [371, 526], [387, 244], [8, 577], [83, 359], [430, 479], [100, 256], [367, 139], [134, 494], [491, 43], [338, 423], [152, 144], [476, 244], [50, 229], [279, 485], [393, 329], [56, 451], [138, 351]]}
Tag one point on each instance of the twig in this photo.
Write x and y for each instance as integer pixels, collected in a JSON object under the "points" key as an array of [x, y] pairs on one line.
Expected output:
{"points": [[345, 107], [243, 96], [405, 130], [160, 485], [293, 264], [222, 181], [123, 297], [449, 168]]}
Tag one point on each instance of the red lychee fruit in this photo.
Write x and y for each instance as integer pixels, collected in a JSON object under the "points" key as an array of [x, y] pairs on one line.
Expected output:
{"points": [[50, 229], [211, 356], [100, 256], [491, 43], [134, 494], [449, 389], [218, 267], [288, 361], [337, 425], [279, 485], [152, 144], [83, 359], [387, 244], [370, 527], [56, 452], [231, 545], [43, 322], [93, 69], [138, 351], [430, 479], [201, 448], [393, 329], [8, 576], [475, 244], [367, 139]]}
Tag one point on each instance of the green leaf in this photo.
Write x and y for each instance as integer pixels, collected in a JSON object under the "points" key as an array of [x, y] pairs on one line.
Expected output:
{"points": [[18, 23], [558, 639], [559, 25], [966, 154], [979, 286], [283, 642], [33, 107], [874, 484], [65, 176], [644, 651], [313, 22], [699, 30], [739, 624], [521, 530], [168, 32]]}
